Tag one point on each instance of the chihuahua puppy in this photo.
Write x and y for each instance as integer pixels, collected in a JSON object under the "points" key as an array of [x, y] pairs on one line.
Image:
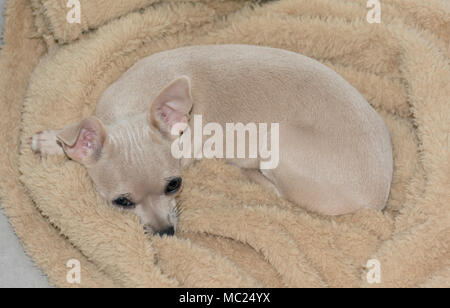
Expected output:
{"points": [[335, 154]]}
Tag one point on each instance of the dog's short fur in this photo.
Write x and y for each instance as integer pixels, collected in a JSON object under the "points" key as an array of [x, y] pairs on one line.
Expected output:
{"points": [[335, 150]]}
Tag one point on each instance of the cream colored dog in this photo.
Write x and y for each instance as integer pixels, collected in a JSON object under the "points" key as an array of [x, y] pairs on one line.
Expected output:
{"points": [[335, 150]]}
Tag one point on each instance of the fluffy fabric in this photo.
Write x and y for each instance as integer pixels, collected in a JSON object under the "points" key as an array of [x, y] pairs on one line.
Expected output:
{"points": [[233, 233]]}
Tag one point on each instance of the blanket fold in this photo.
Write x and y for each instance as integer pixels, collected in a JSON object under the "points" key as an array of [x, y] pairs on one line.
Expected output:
{"points": [[51, 17], [232, 232]]}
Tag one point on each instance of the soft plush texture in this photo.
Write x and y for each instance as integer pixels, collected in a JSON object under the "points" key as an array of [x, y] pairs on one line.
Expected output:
{"points": [[232, 232]]}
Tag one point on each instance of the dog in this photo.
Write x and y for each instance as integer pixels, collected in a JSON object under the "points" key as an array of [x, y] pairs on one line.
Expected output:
{"points": [[335, 150]]}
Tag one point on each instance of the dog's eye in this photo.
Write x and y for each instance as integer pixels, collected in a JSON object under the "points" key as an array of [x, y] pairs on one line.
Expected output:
{"points": [[124, 202], [173, 185]]}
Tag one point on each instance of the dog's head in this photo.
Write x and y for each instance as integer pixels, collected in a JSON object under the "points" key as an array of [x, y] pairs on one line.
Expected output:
{"points": [[130, 161]]}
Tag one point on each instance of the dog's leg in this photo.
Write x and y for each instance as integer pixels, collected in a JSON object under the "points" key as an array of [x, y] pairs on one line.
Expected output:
{"points": [[46, 143], [256, 176]]}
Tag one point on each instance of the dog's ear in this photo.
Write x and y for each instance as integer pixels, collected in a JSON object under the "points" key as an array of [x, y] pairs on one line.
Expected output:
{"points": [[83, 141], [172, 106]]}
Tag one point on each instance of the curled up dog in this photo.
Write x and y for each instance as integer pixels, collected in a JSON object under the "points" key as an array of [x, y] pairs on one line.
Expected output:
{"points": [[335, 154]]}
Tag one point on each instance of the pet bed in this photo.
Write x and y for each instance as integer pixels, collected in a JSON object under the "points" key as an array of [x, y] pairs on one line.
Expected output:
{"points": [[232, 232]]}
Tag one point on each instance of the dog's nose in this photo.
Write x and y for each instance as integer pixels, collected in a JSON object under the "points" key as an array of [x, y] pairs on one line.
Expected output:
{"points": [[169, 231]]}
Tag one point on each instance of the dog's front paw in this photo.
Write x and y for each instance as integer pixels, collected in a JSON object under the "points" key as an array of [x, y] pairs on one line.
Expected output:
{"points": [[46, 143]]}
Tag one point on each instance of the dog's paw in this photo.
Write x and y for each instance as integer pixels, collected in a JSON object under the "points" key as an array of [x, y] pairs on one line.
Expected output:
{"points": [[45, 143]]}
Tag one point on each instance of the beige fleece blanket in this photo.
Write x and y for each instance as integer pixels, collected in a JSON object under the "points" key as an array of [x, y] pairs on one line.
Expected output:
{"points": [[232, 232]]}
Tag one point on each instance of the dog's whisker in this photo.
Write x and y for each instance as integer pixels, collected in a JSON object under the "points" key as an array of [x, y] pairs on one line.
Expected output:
{"points": [[179, 208]]}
